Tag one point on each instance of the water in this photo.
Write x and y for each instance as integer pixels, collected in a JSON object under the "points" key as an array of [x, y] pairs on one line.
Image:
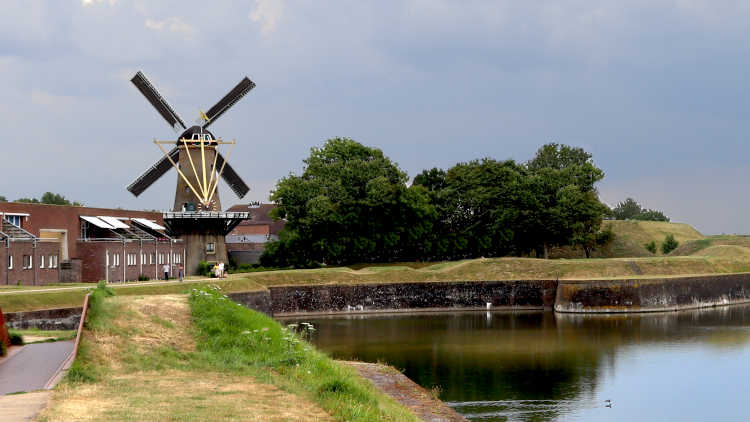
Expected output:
{"points": [[541, 366]]}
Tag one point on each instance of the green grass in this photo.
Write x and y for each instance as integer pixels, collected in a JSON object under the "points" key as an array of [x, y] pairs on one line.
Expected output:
{"points": [[234, 338], [52, 335], [222, 345]]}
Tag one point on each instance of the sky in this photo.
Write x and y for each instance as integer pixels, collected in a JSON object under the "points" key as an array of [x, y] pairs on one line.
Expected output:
{"points": [[655, 90]]}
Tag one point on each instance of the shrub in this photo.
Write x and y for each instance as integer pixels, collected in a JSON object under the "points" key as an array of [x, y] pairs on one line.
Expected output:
{"points": [[143, 278], [669, 244], [650, 246], [204, 268], [3, 350], [16, 339]]}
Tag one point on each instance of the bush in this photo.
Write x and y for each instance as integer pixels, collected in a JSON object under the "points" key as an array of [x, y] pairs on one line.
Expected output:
{"points": [[16, 339], [650, 246], [143, 278], [3, 349], [669, 244], [204, 268]]}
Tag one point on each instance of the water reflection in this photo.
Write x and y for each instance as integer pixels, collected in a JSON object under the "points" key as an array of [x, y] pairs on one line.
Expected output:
{"points": [[536, 366]]}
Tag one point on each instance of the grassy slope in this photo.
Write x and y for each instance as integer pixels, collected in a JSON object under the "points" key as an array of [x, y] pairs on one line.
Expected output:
{"points": [[148, 358], [467, 270], [630, 236]]}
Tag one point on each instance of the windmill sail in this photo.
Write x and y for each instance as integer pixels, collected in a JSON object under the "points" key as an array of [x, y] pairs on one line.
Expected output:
{"points": [[159, 103], [154, 173], [238, 186], [228, 101]]}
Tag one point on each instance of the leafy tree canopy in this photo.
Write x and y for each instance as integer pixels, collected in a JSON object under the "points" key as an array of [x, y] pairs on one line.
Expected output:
{"points": [[629, 209], [351, 204], [50, 198], [3, 199]]}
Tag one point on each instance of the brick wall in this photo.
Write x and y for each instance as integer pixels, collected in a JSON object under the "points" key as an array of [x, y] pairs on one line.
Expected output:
{"points": [[94, 257], [62, 217]]}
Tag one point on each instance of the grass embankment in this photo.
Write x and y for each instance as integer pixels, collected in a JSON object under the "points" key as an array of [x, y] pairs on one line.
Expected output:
{"points": [[466, 270], [35, 335], [161, 358]]}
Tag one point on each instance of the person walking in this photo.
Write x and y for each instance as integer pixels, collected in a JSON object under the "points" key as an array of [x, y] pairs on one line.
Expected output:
{"points": [[221, 270], [180, 270], [166, 271]]}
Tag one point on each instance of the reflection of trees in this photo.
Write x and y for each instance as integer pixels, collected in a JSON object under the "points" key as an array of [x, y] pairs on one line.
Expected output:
{"points": [[516, 356]]}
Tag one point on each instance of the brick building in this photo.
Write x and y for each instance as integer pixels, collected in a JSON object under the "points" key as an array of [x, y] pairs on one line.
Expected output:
{"points": [[248, 240], [41, 244]]}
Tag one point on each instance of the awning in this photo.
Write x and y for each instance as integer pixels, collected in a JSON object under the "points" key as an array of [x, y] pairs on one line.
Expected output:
{"points": [[97, 222], [22, 214], [114, 222], [148, 223]]}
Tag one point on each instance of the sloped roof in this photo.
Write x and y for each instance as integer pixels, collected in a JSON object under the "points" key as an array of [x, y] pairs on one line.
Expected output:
{"points": [[259, 215]]}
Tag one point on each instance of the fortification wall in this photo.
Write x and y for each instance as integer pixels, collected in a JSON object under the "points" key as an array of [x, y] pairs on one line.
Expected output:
{"points": [[652, 295]]}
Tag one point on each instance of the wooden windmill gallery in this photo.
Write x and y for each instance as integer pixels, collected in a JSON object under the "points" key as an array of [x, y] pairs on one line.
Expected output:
{"points": [[196, 216]]}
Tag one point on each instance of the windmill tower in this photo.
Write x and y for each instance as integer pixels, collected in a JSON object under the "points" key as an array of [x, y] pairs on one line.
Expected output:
{"points": [[196, 216]]}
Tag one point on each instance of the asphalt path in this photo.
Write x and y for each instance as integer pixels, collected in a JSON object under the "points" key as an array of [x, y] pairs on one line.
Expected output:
{"points": [[33, 366]]}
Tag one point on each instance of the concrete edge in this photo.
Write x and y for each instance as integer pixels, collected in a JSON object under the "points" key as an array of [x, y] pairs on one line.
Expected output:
{"points": [[408, 310], [65, 365]]}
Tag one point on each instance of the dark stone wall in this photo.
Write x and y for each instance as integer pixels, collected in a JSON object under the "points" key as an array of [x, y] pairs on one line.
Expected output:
{"points": [[412, 296], [259, 301], [646, 295], [47, 319]]}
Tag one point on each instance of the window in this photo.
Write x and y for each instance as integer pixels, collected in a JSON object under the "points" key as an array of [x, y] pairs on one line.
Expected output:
{"points": [[27, 262], [14, 219], [210, 248], [143, 257], [116, 260], [10, 262], [52, 262], [150, 258], [41, 261]]}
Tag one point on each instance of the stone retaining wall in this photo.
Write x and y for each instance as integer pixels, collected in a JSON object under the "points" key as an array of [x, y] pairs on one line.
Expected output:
{"points": [[364, 298], [46, 319], [652, 295]]}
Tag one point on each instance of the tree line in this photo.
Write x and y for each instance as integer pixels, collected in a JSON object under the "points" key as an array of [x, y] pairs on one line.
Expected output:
{"points": [[46, 198], [352, 204]]}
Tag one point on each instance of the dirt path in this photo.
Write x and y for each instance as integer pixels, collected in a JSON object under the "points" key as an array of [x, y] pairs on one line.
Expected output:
{"points": [[146, 352], [407, 392], [23, 407]]}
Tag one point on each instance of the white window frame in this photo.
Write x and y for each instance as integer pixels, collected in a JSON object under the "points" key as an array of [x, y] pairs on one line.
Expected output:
{"points": [[10, 262], [41, 261]]}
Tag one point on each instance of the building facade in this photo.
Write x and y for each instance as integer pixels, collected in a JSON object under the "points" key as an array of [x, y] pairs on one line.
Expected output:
{"points": [[42, 244], [247, 241]]}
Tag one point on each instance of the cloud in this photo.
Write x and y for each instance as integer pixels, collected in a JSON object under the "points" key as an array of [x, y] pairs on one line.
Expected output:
{"points": [[267, 13], [95, 2], [172, 24]]}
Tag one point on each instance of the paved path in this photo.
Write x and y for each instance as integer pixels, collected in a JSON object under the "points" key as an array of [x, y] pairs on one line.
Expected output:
{"points": [[116, 284], [33, 366]]}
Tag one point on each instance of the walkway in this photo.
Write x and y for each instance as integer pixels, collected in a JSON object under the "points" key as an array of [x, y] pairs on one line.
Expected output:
{"points": [[34, 366]]}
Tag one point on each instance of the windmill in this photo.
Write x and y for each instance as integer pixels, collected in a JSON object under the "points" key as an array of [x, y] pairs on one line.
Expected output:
{"points": [[195, 156], [196, 216]]}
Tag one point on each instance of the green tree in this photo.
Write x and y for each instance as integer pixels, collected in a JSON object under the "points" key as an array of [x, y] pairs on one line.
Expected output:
{"points": [[651, 215], [51, 199], [3, 199], [351, 204], [669, 244], [627, 209], [566, 208], [650, 246]]}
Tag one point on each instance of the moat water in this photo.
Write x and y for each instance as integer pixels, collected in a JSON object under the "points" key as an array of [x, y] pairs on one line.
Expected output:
{"points": [[542, 366]]}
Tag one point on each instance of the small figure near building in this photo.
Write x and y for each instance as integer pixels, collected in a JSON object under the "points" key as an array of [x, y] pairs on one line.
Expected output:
{"points": [[166, 271], [180, 271]]}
